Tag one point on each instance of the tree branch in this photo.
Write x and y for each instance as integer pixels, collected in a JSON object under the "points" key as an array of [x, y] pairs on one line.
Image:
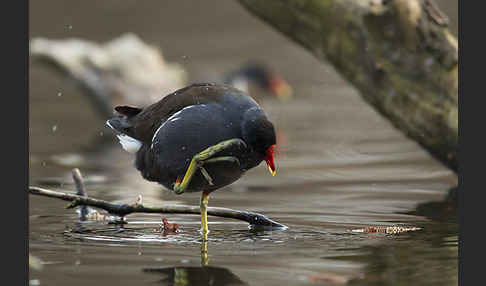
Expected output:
{"points": [[254, 219], [399, 54]]}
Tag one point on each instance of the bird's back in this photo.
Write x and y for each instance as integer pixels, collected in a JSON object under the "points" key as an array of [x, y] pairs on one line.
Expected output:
{"points": [[146, 123]]}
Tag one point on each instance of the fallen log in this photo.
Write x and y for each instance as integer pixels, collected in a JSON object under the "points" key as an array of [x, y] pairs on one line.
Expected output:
{"points": [[399, 55], [122, 71]]}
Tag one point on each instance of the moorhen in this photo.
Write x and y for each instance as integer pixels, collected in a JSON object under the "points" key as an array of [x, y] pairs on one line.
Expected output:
{"points": [[197, 139], [259, 81]]}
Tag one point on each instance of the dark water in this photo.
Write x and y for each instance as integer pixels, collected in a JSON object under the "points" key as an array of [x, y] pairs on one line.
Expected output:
{"points": [[340, 167]]}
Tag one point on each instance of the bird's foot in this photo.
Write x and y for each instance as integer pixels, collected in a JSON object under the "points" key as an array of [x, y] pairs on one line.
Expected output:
{"points": [[206, 176], [224, 145], [178, 189], [230, 159]]}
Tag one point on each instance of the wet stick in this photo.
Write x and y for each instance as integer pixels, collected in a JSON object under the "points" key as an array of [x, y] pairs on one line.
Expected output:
{"points": [[254, 219], [80, 190]]}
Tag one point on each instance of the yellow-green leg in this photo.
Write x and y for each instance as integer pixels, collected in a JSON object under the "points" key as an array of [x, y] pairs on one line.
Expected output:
{"points": [[204, 228], [206, 156], [197, 162]]}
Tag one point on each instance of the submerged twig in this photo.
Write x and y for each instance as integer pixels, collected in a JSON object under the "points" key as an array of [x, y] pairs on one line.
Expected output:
{"points": [[167, 228], [387, 229], [254, 219]]}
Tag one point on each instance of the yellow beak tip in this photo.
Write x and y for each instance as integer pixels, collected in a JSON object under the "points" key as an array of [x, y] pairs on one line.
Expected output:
{"points": [[273, 172]]}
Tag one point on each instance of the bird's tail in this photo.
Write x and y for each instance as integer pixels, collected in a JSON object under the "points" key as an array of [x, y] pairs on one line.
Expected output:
{"points": [[124, 126]]}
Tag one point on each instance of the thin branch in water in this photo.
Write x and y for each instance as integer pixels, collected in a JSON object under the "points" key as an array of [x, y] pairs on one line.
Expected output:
{"points": [[387, 229], [256, 221], [80, 191]]}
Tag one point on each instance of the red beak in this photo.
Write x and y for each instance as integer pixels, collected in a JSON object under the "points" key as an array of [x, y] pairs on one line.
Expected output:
{"points": [[269, 160]]}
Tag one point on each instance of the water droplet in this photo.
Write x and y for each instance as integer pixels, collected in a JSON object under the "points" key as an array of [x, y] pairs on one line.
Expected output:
{"points": [[70, 27], [59, 94], [185, 261], [43, 163], [184, 148], [54, 128], [101, 133], [184, 57]]}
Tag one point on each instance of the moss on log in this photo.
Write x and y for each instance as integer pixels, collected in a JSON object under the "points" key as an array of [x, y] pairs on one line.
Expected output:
{"points": [[399, 54]]}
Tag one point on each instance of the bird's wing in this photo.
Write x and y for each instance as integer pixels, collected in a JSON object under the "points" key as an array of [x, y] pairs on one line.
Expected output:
{"points": [[146, 122]]}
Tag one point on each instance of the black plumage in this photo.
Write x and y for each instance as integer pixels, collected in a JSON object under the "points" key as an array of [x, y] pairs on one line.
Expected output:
{"points": [[184, 123]]}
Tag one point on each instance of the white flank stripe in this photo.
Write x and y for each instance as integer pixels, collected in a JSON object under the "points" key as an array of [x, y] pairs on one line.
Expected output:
{"points": [[155, 135], [173, 118], [108, 123]]}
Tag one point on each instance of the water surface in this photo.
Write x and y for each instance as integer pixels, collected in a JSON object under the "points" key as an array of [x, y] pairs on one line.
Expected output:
{"points": [[341, 166]]}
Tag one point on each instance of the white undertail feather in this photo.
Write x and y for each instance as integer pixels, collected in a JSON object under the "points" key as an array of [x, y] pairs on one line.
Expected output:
{"points": [[131, 145]]}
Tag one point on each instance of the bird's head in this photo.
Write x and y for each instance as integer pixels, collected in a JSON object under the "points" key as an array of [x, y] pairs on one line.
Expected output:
{"points": [[259, 133]]}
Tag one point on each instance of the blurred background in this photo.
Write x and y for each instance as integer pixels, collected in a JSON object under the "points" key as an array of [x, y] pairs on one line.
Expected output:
{"points": [[340, 165]]}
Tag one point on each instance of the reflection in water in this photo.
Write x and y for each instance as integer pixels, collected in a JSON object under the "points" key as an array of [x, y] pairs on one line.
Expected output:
{"points": [[204, 252], [428, 256], [206, 275], [441, 211], [409, 259], [424, 257]]}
